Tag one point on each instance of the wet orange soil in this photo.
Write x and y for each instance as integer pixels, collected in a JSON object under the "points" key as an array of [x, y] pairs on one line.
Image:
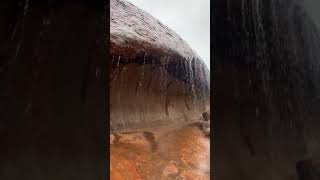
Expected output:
{"points": [[182, 153]]}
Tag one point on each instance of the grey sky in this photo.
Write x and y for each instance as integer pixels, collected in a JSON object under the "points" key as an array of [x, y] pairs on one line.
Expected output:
{"points": [[189, 18]]}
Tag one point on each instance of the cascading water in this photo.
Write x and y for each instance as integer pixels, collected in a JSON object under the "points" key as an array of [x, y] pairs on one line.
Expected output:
{"points": [[161, 82], [159, 100], [270, 123]]}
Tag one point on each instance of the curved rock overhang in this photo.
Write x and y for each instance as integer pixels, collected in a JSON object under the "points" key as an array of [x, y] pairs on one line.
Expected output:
{"points": [[266, 95], [156, 78]]}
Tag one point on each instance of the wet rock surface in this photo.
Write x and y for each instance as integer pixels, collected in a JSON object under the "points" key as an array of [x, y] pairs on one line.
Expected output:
{"points": [[182, 153], [156, 78], [159, 86], [134, 31]]}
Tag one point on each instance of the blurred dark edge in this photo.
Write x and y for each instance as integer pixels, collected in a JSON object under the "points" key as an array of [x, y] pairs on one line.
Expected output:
{"points": [[54, 89], [212, 121], [265, 95]]}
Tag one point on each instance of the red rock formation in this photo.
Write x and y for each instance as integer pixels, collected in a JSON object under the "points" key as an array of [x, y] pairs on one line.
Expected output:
{"points": [[176, 154], [158, 86]]}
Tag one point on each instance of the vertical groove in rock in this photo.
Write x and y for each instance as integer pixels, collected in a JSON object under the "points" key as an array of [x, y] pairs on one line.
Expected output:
{"points": [[146, 46]]}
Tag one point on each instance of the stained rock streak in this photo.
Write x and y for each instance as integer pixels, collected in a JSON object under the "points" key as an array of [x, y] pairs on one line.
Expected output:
{"points": [[182, 153], [156, 78], [159, 100]]}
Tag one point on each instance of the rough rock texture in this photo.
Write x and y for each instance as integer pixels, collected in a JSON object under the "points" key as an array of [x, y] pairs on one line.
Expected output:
{"points": [[134, 31], [172, 154], [156, 78], [52, 90], [266, 95], [158, 86]]}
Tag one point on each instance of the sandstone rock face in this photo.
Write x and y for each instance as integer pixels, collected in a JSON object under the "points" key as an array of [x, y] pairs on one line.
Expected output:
{"points": [[266, 78], [159, 86], [156, 78], [182, 153]]}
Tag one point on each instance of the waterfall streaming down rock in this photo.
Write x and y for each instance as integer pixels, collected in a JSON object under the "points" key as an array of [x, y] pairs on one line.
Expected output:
{"points": [[156, 78]]}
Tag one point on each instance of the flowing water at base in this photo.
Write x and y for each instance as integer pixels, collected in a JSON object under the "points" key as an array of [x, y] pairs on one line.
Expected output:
{"points": [[182, 153]]}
